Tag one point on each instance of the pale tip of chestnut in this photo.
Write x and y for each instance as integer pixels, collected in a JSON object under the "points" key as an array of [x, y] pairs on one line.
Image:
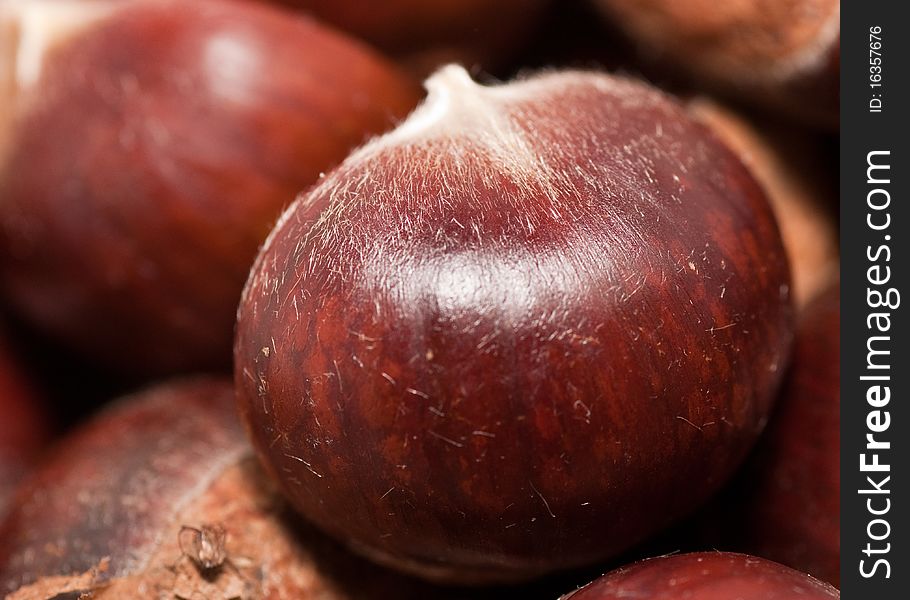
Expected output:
{"points": [[455, 102], [458, 107], [449, 89], [29, 31]]}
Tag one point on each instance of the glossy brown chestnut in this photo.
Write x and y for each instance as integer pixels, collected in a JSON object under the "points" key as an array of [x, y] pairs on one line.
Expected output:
{"points": [[479, 33], [781, 53], [24, 427], [179, 132], [524, 330], [790, 166], [160, 496], [705, 576]]}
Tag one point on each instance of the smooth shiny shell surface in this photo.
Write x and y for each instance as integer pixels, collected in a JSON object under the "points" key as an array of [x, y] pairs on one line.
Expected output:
{"points": [[152, 153], [706, 576], [521, 332]]}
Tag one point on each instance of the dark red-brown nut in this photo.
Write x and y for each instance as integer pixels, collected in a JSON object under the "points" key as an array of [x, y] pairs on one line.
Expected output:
{"points": [[160, 496], [705, 576], [24, 428], [791, 509], [785, 53], [146, 149], [524, 330], [426, 34]]}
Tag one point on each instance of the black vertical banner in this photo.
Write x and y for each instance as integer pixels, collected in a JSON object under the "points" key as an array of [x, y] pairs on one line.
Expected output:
{"points": [[875, 370]]}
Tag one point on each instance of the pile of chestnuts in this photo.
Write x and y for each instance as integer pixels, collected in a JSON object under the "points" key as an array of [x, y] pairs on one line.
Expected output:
{"points": [[276, 321]]}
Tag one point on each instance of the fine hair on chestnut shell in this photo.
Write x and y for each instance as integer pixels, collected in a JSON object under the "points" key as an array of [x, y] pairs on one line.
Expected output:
{"points": [[521, 332]]}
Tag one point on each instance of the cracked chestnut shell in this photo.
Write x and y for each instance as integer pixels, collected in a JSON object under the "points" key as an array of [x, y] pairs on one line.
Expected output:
{"points": [[705, 576], [179, 132], [524, 330]]}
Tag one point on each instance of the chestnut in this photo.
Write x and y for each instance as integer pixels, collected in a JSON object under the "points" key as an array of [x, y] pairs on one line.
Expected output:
{"points": [[519, 333], [775, 53], [790, 164], [706, 576], [160, 496], [146, 149], [426, 35], [24, 424]]}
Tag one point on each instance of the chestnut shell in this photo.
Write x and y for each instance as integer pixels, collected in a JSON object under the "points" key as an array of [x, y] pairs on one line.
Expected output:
{"points": [[521, 332]]}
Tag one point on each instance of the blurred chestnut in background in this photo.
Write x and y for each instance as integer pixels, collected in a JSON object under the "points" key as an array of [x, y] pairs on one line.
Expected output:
{"points": [[785, 505], [146, 149], [160, 496], [429, 33], [790, 164], [783, 53], [527, 328], [24, 424], [705, 576]]}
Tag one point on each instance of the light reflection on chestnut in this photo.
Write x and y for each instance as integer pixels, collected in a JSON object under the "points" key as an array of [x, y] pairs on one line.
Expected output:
{"points": [[532, 325], [147, 148]]}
